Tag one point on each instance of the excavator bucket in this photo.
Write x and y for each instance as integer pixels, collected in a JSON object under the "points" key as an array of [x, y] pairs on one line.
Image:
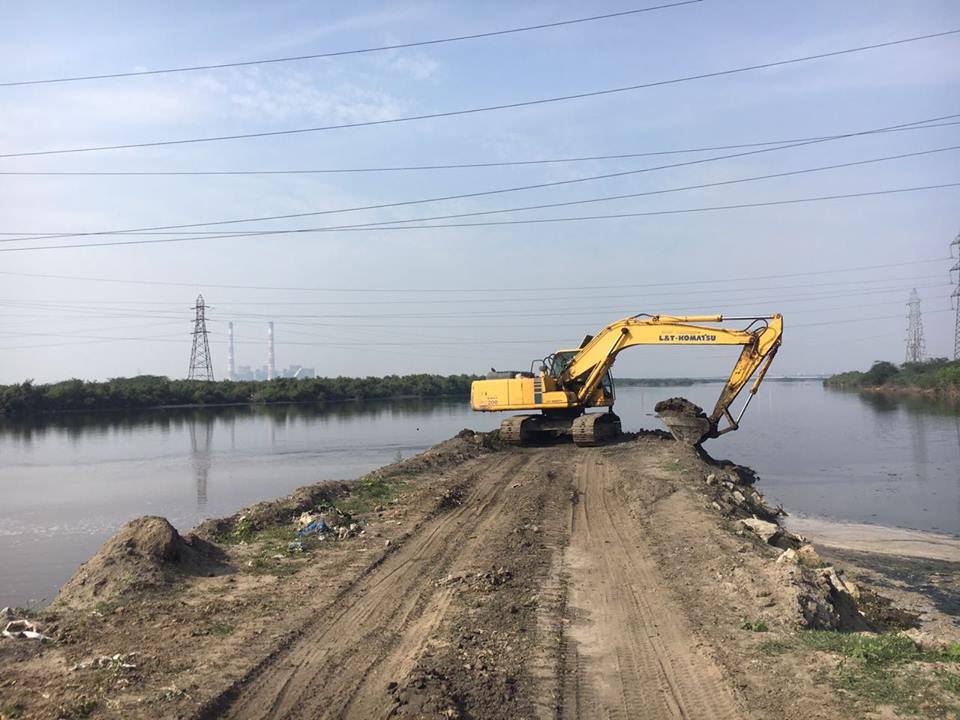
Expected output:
{"points": [[685, 421]]}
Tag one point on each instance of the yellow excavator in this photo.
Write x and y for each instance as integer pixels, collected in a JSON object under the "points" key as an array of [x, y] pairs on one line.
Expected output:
{"points": [[569, 382]]}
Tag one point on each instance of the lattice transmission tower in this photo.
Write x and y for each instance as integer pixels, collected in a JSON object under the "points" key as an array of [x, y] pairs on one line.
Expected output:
{"points": [[201, 368], [916, 347], [955, 297]]}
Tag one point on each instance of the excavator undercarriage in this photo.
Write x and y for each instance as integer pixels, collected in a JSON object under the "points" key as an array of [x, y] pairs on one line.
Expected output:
{"points": [[585, 430]]}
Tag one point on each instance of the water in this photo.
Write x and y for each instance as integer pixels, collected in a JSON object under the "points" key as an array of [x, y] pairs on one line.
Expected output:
{"points": [[67, 483]]}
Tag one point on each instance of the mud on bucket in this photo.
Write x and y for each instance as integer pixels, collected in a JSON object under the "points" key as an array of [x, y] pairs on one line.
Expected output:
{"points": [[686, 421]]}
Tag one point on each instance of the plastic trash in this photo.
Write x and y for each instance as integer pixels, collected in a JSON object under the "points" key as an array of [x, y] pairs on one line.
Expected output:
{"points": [[317, 526]]}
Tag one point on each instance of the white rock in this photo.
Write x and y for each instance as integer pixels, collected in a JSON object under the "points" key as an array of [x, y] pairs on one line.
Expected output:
{"points": [[766, 531], [788, 556]]}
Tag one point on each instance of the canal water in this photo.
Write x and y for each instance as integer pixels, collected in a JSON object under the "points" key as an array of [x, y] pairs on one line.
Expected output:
{"points": [[68, 482]]}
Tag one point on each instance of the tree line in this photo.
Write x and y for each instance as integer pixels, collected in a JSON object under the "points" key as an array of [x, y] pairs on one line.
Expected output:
{"points": [[151, 391], [933, 374]]}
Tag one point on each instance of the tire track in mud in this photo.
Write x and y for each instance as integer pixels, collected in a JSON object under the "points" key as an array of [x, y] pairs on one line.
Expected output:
{"points": [[629, 652], [340, 668]]}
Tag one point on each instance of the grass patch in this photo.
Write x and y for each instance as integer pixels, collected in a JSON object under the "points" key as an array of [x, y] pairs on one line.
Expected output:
{"points": [[221, 627], [758, 625], [671, 466], [265, 565], [883, 649], [11, 710], [370, 491], [242, 531], [889, 669], [107, 607], [774, 646], [81, 708]]}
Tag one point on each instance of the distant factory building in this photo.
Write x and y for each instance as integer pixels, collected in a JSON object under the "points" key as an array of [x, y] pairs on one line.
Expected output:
{"points": [[268, 370], [298, 372]]}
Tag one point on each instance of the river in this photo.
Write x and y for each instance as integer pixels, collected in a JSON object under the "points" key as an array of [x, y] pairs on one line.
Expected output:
{"points": [[68, 482]]}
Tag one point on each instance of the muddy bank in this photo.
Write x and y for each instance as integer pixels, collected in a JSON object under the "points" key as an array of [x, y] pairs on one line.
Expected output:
{"points": [[642, 580], [877, 539]]}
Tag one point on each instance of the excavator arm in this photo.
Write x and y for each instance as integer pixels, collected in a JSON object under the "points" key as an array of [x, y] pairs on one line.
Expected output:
{"points": [[760, 341]]}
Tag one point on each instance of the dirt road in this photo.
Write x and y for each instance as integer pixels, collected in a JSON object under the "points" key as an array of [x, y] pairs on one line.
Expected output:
{"points": [[626, 651], [476, 582]]}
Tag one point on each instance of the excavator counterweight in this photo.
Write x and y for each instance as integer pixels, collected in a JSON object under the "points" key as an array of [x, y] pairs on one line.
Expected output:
{"points": [[570, 382]]}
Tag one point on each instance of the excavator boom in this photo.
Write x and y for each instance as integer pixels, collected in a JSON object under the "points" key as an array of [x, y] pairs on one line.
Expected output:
{"points": [[570, 382]]}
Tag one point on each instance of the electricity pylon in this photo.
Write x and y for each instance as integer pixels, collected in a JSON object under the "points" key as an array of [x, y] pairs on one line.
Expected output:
{"points": [[201, 368], [955, 298], [916, 348]]}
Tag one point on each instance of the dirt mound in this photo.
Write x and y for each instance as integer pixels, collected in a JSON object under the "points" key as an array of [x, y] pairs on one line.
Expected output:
{"points": [[146, 552], [681, 406]]}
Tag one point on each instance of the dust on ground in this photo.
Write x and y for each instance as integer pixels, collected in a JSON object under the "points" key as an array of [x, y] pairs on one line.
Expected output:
{"points": [[637, 580]]}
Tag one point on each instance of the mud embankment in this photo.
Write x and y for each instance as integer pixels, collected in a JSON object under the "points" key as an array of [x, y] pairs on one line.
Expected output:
{"points": [[637, 580]]}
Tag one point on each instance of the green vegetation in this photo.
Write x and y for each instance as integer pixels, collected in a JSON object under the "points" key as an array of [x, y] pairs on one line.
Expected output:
{"points": [[370, 491], [774, 646], [220, 627], [151, 391], [758, 625], [885, 669], [934, 374]]}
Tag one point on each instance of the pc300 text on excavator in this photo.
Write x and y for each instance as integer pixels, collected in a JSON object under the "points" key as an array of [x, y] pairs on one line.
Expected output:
{"points": [[569, 382]]}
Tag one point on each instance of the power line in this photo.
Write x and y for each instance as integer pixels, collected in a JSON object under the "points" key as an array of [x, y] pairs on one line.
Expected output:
{"points": [[553, 310], [386, 224], [661, 305], [359, 51], [79, 305], [455, 166], [498, 223], [294, 288], [461, 196], [543, 342], [491, 108]]}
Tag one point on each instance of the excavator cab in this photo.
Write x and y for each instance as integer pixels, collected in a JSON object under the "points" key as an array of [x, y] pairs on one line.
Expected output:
{"points": [[559, 361]]}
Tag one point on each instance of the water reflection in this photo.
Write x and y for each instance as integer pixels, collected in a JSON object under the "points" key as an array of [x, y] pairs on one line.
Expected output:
{"points": [[918, 445], [201, 441], [914, 404], [82, 426]]}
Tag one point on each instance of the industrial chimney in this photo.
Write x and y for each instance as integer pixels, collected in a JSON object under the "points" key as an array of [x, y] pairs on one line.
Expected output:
{"points": [[231, 369], [271, 366]]}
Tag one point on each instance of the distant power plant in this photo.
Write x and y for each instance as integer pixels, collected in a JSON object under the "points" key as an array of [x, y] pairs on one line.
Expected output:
{"points": [[231, 367], [271, 367], [201, 366]]}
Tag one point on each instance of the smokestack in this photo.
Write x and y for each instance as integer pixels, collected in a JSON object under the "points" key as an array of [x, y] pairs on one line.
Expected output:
{"points": [[271, 367], [231, 369]]}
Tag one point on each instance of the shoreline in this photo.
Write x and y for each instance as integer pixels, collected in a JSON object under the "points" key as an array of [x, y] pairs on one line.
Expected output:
{"points": [[876, 539], [950, 393]]}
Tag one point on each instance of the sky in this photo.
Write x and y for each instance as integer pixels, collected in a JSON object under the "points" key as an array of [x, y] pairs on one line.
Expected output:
{"points": [[377, 301]]}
